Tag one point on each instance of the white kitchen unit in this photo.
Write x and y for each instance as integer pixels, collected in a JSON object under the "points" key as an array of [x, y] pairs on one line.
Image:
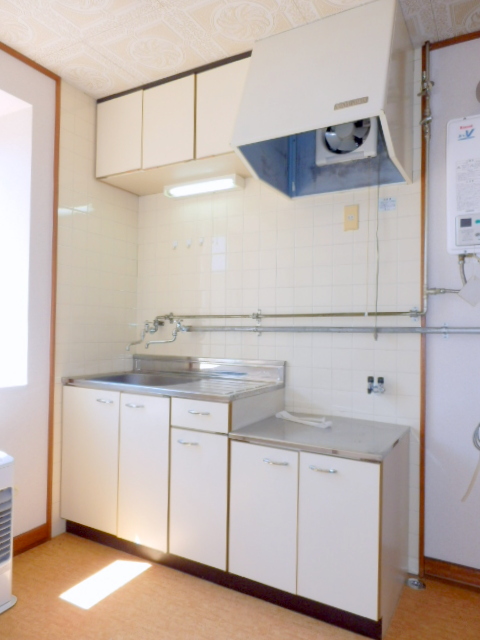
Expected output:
{"points": [[348, 538], [90, 458], [168, 123], [219, 92], [263, 515], [119, 135], [338, 533], [199, 496], [115, 464], [143, 470]]}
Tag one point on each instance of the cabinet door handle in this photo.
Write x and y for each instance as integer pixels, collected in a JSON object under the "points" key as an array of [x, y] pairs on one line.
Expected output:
{"points": [[131, 405], [198, 413], [314, 468], [103, 401], [280, 464], [187, 443]]}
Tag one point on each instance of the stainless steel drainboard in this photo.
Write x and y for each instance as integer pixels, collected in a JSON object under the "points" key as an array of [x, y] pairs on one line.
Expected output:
{"points": [[221, 387]]}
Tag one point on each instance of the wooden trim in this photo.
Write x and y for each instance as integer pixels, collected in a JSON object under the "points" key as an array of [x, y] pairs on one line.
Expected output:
{"points": [[317, 610], [30, 539], [53, 303], [452, 572], [178, 76], [31, 63], [457, 40]]}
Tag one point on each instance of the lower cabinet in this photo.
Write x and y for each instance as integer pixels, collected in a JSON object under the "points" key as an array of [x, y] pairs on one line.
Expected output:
{"points": [[115, 464], [90, 458], [329, 549], [339, 533], [198, 496], [263, 515], [143, 470]]}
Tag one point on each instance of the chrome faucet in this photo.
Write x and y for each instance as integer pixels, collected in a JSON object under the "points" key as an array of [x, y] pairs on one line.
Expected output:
{"points": [[375, 388]]}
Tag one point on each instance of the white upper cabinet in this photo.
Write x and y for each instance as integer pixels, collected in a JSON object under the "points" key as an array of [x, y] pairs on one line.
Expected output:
{"points": [[119, 135], [168, 123], [218, 97]]}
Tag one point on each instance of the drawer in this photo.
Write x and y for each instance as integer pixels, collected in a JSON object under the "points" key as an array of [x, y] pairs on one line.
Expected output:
{"points": [[198, 414]]}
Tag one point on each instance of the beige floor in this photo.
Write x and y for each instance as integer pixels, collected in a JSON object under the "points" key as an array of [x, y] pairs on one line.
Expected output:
{"points": [[162, 603]]}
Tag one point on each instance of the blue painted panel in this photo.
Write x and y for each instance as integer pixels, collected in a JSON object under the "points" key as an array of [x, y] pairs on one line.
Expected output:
{"points": [[269, 160], [343, 176], [288, 164]]}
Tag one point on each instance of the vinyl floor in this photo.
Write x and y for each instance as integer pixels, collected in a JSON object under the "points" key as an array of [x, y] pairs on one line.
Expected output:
{"points": [[163, 604]]}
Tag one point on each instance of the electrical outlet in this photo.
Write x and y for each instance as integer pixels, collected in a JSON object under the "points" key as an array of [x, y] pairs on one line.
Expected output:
{"points": [[350, 217]]}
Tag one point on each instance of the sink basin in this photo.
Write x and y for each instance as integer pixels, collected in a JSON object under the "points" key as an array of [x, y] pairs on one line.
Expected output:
{"points": [[142, 379]]}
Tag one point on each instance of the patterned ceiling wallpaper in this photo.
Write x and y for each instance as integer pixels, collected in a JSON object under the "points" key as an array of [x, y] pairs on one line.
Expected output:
{"points": [[107, 46]]}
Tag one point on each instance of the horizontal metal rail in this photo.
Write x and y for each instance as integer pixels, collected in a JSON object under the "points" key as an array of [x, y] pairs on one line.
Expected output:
{"points": [[261, 329]]}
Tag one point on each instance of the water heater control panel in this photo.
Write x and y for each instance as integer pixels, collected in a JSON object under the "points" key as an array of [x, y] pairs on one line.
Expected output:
{"points": [[463, 185], [467, 232]]}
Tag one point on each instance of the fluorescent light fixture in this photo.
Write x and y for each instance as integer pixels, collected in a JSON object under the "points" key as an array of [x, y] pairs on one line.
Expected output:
{"points": [[210, 185], [96, 588]]}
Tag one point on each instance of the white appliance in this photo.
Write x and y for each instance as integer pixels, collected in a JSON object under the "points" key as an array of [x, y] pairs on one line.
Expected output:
{"points": [[463, 185], [344, 68], [7, 600]]}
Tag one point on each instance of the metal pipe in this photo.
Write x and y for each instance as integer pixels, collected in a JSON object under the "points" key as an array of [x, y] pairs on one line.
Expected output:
{"points": [[427, 85], [399, 330], [260, 316]]}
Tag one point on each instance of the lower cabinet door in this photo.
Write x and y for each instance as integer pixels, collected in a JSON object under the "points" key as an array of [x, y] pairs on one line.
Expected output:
{"points": [[143, 470], [90, 457], [198, 496], [263, 514], [339, 533]]}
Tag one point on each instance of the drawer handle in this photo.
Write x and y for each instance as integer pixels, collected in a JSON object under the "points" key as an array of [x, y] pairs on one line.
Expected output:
{"points": [[314, 468], [279, 464], [131, 405], [187, 443], [198, 413], [103, 401]]}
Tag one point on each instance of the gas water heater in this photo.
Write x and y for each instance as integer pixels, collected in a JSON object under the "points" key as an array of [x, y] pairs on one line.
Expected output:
{"points": [[463, 185]]}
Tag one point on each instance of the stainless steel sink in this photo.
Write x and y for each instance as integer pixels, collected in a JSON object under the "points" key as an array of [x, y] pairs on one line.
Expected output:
{"points": [[142, 379]]}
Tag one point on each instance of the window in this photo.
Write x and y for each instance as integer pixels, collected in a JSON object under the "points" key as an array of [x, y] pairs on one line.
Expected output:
{"points": [[15, 196]]}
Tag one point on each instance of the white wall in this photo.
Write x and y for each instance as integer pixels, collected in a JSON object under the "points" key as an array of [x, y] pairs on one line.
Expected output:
{"points": [[24, 409], [97, 264], [452, 527], [256, 249]]}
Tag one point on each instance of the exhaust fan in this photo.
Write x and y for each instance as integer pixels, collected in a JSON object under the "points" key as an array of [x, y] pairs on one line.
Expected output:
{"points": [[346, 142], [328, 106]]}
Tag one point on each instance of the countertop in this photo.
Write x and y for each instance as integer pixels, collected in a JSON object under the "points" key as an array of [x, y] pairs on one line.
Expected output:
{"points": [[346, 438]]}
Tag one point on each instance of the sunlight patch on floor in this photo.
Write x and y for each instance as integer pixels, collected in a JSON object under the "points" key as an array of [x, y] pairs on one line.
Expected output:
{"points": [[96, 588]]}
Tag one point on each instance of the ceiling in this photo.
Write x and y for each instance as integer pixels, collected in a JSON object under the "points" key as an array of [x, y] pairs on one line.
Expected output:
{"points": [[107, 46]]}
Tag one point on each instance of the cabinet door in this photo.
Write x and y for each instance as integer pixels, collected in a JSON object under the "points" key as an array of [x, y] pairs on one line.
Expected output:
{"points": [[263, 514], [198, 497], [218, 97], [168, 123], [338, 533], [143, 470], [90, 458], [119, 135]]}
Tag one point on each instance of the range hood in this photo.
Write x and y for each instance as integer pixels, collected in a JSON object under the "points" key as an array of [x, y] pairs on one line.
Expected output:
{"points": [[354, 68]]}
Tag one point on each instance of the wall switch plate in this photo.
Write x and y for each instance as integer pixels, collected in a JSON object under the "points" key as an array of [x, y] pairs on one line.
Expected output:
{"points": [[350, 217]]}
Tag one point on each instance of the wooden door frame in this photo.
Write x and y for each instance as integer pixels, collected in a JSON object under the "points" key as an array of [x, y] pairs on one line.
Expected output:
{"points": [[42, 533], [430, 567]]}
